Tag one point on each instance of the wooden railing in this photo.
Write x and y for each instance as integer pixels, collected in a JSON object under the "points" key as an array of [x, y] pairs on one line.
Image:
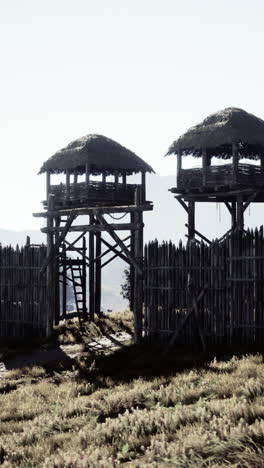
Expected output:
{"points": [[107, 192], [215, 176]]}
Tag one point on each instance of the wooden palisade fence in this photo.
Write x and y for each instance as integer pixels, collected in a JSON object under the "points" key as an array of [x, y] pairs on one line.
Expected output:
{"points": [[23, 311], [228, 275]]}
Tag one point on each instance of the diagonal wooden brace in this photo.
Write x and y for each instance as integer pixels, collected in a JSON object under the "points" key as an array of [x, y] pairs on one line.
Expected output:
{"points": [[120, 243]]}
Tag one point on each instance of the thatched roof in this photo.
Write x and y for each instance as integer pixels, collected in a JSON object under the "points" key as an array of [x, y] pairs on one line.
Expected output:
{"points": [[100, 152], [219, 130]]}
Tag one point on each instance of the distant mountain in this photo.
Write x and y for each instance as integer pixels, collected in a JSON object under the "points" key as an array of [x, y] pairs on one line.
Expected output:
{"points": [[165, 222]]}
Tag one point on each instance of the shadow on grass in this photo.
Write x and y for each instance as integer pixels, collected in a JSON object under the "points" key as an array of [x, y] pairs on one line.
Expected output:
{"points": [[148, 362]]}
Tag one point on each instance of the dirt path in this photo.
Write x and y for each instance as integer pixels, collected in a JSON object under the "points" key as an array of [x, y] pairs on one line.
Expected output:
{"points": [[44, 355]]}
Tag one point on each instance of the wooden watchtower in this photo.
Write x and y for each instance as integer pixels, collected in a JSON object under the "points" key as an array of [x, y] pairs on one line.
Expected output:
{"points": [[231, 134], [94, 186]]}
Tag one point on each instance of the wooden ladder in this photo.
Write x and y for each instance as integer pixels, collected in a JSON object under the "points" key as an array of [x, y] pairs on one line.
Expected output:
{"points": [[77, 282]]}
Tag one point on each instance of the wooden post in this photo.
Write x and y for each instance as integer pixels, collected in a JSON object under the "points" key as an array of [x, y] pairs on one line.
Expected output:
{"points": [[132, 269], [191, 219], [138, 278], [234, 163], [143, 185], [240, 213], [206, 164], [262, 163], [91, 272], [68, 183], [87, 175], [50, 284], [103, 177], [116, 177], [84, 277], [64, 283], [97, 286], [56, 279], [47, 184], [233, 215], [179, 166], [124, 177]]}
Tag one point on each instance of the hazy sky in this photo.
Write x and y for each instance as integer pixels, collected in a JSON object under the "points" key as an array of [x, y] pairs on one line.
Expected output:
{"points": [[138, 71]]}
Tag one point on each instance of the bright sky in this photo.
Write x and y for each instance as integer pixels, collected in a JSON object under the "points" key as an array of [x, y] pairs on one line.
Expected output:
{"points": [[139, 71]]}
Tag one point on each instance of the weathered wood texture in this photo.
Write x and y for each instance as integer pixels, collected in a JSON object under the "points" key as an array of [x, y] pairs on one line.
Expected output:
{"points": [[220, 176], [108, 193], [23, 309], [232, 310]]}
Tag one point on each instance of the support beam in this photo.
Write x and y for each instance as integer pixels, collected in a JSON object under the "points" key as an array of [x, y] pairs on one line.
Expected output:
{"points": [[228, 207], [117, 239], [200, 235], [96, 209], [54, 249], [47, 184], [64, 283], [143, 185], [124, 176], [234, 163], [138, 280], [182, 203], [191, 219], [56, 280], [98, 274], [240, 213], [205, 165], [50, 283], [113, 249], [87, 175], [233, 215], [84, 277], [179, 165], [68, 183], [96, 228], [91, 272]]}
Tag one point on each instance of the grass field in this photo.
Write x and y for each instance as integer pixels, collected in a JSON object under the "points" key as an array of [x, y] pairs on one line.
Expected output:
{"points": [[134, 408]]}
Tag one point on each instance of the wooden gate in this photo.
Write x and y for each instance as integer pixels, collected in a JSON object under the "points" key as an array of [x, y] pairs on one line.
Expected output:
{"points": [[23, 292], [230, 274]]}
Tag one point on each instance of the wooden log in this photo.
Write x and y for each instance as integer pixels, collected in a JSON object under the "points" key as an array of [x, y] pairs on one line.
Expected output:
{"points": [[87, 175], [95, 210], [68, 188], [179, 166], [91, 272], [98, 273], [240, 213], [83, 280], [96, 228], [235, 160], [143, 186], [50, 285], [191, 219], [204, 165], [56, 279], [110, 230], [64, 283], [138, 280], [47, 184]]}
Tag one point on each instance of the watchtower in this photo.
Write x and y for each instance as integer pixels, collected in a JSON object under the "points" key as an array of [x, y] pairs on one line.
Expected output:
{"points": [[94, 183], [231, 134]]}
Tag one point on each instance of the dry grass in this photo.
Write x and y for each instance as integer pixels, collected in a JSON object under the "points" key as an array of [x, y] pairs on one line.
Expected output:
{"points": [[136, 409], [114, 323]]}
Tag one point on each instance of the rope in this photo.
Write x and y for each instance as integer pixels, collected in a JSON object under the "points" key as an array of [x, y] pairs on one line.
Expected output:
{"points": [[121, 217]]}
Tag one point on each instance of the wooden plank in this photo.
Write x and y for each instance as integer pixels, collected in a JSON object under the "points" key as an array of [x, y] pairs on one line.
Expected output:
{"points": [[94, 210], [95, 228]]}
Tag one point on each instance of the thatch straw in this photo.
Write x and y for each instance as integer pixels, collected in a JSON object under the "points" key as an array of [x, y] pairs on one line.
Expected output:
{"points": [[102, 154], [217, 133]]}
